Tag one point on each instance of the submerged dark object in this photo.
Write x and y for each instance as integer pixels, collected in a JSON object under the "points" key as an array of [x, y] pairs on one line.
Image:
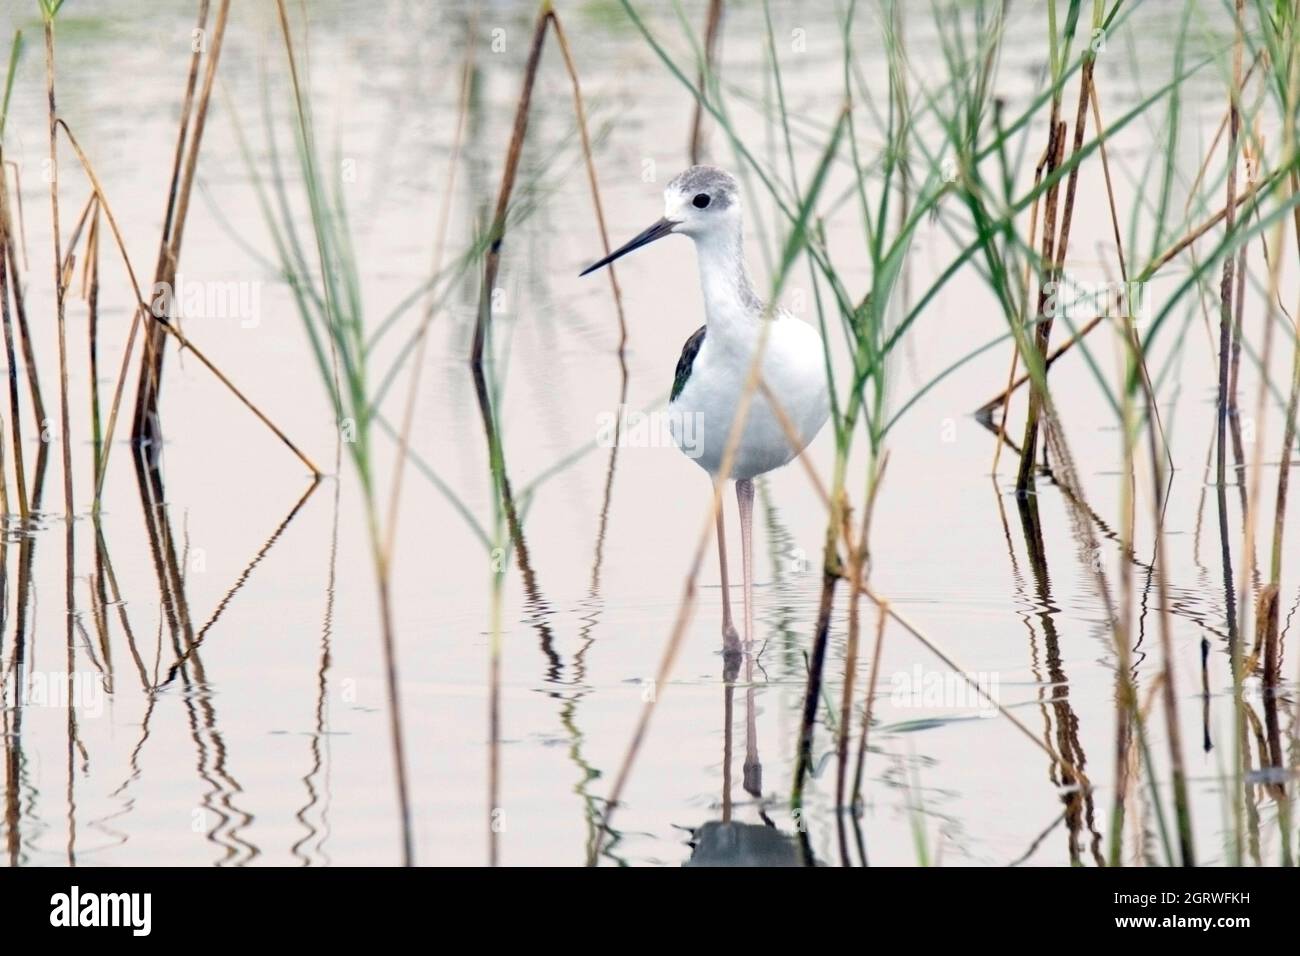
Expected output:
{"points": [[742, 844]]}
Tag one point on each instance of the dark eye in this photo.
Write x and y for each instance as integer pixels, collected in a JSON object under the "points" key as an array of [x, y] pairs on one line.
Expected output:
{"points": [[700, 201]]}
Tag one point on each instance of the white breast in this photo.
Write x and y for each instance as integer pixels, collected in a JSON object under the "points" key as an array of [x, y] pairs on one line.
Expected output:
{"points": [[795, 372]]}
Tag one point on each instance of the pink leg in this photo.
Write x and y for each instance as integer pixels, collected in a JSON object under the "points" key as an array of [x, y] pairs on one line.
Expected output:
{"points": [[745, 499], [730, 640]]}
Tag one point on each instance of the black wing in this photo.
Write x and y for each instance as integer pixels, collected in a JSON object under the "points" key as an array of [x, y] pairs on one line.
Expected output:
{"points": [[689, 351]]}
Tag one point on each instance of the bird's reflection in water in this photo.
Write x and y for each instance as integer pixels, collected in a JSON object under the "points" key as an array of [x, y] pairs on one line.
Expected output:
{"points": [[728, 842], [719, 843]]}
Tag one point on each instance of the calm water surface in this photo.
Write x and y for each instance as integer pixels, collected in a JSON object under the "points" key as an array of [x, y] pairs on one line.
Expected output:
{"points": [[270, 744]]}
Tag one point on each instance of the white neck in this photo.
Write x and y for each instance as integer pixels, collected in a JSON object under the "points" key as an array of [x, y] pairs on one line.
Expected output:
{"points": [[730, 302]]}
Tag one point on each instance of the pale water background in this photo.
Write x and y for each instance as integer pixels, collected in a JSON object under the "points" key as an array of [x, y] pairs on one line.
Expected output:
{"points": [[273, 747]]}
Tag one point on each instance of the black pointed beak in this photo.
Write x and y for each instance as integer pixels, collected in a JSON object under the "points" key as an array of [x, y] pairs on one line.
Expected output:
{"points": [[660, 229]]}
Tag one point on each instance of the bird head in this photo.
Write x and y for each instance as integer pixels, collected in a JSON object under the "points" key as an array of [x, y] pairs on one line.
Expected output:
{"points": [[702, 202]]}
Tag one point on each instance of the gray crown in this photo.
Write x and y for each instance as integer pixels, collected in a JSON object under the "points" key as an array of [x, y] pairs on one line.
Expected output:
{"points": [[718, 183]]}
